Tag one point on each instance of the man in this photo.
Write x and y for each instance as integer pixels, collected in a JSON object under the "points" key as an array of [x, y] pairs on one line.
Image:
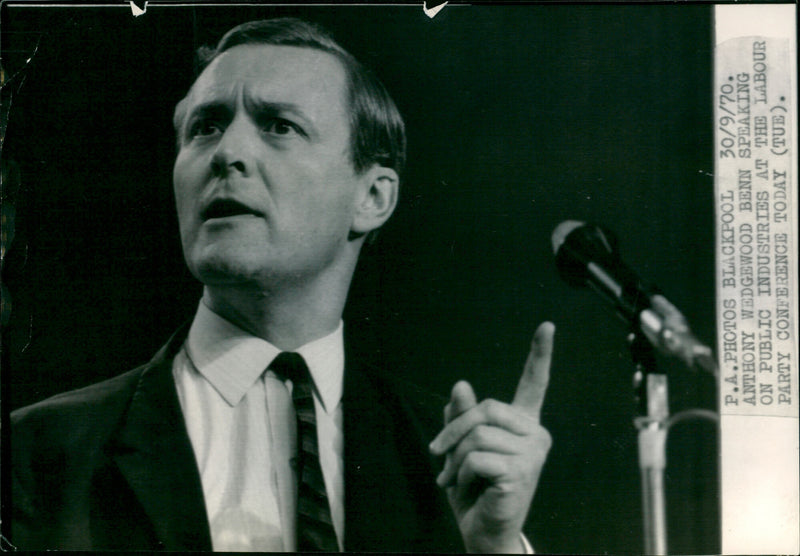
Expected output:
{"points": [[289, 156]]}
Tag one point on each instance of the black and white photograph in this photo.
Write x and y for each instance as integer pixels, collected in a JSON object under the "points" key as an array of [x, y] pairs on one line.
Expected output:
{"points": [[385, 278]]}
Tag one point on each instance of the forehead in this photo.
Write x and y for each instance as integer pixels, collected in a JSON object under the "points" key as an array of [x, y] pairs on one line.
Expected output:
{"points": [[313, 79]]}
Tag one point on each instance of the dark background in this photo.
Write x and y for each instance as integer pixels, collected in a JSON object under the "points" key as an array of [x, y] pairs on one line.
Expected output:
{"points": [[519, 117]]}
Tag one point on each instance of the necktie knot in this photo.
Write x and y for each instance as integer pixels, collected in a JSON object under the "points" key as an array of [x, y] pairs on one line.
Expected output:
{"points": [[292, 366]]}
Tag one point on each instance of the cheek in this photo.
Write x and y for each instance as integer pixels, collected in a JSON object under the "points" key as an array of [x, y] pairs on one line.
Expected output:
{"points": [[319, 194], [332, 210], [185, 177], [335, 195]]}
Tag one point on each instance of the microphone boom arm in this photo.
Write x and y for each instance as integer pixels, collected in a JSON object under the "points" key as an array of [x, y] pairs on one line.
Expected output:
{"points": [[587, 255]]}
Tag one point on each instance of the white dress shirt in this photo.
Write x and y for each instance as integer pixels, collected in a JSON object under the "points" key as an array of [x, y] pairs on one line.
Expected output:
{"points": [[242, 427]]}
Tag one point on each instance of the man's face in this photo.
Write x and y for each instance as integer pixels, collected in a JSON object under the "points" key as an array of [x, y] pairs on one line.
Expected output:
{"points": [[264, 183]]}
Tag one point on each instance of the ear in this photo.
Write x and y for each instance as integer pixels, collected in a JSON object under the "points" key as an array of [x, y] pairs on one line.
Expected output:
{"points": [[375, 200]]}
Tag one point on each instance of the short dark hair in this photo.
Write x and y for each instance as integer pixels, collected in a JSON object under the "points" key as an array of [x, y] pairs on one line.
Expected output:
{"points": [[377, 131]]}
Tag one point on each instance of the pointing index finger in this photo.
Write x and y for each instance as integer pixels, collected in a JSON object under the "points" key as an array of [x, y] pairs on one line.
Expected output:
{"points": [[536, 374]]}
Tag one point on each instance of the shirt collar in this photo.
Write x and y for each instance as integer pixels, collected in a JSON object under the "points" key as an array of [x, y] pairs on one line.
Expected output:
{"points": [[232, 359]]}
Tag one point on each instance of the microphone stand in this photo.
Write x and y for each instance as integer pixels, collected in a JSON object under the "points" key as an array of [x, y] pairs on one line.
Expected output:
{"points": [[586, 255], [650, 388]]}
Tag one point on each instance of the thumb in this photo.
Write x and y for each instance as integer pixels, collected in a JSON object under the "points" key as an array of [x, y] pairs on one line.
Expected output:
{"points": [[462, 398]]}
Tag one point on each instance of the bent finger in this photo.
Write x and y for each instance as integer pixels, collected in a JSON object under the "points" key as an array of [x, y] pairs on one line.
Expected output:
{"points": [[488, 412], [482, 466], [482, 438]]}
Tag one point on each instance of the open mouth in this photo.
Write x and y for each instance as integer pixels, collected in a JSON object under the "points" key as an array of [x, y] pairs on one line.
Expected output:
{"points": [[225, 208]]}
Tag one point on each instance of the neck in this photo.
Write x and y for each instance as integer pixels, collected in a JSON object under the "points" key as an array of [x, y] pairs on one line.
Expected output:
{"points": [[287, 316]]}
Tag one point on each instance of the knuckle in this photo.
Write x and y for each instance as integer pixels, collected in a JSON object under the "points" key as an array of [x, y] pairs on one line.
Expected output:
{"points": [[492, 409], [547, 438], [541, 439], [471, 460], [538, 445], [544, 443], [481, 435]]}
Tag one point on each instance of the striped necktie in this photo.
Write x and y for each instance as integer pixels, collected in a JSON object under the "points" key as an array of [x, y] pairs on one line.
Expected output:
{"points": [[315, 530]]}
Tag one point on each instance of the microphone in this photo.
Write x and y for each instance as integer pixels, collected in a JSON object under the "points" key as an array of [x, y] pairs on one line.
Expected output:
{"points": [[587, 255]]}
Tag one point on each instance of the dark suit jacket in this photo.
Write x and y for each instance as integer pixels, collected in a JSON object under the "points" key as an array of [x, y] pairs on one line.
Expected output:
{"points": [[111, 466]]}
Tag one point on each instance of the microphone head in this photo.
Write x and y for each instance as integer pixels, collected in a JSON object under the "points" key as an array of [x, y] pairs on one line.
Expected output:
{"points": [[562, 231], [576, 244]]}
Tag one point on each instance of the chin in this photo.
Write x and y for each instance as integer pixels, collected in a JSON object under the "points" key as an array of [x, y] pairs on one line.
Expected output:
{"points": [[225, 267]]}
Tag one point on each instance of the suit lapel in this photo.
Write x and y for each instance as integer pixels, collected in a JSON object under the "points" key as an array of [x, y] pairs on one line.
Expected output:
{"points": [[375, 502], [392, 503], [155, 456]]}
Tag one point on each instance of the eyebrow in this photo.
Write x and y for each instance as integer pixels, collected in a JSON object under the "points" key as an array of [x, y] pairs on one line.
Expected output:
{"points": [[214, 109]]}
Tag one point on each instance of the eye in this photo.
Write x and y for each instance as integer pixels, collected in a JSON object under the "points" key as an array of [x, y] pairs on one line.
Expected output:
{"points": [[204, 128], [282, 127]]}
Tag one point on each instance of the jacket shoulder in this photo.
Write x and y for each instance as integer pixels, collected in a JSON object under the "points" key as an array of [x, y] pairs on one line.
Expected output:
{"points": [[86, 415], [74, 417]]}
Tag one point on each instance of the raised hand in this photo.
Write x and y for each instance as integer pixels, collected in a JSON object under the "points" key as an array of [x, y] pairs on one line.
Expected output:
{"points": [[495, 453]]}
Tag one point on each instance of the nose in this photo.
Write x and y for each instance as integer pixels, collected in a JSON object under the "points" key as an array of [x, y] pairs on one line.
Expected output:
{"points": [[234, 151]]}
